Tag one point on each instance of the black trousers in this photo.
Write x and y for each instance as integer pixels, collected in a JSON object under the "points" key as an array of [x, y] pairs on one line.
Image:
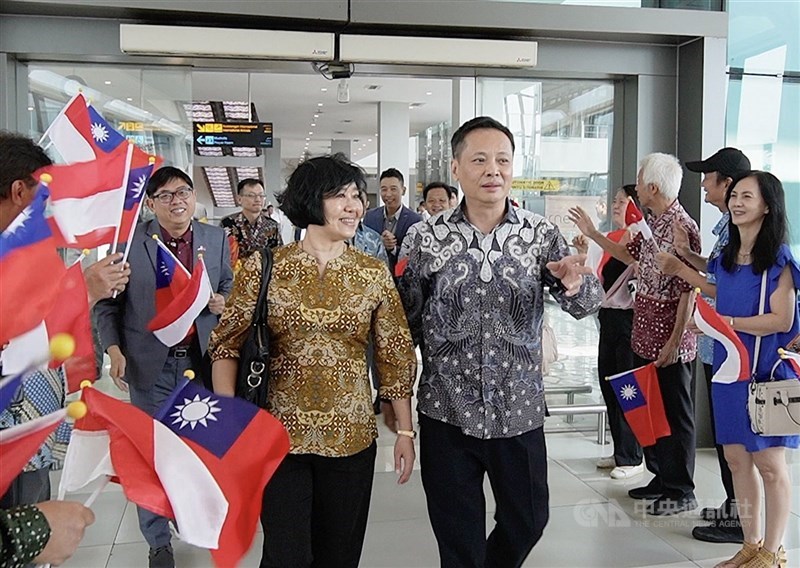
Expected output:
{"points": [[315, 510], [453, 467], [725, 472], [671, 459], [614, 356]]}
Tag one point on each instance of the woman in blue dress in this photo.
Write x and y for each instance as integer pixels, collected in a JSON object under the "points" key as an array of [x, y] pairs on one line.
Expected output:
{"points": [[758, 236]]}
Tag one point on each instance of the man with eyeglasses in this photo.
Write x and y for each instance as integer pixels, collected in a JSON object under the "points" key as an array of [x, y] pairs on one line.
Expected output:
{"points": [[140, 363], [251, 227]]}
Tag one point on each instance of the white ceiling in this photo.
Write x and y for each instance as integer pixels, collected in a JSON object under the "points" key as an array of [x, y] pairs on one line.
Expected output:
{"points": [[290, 102]]}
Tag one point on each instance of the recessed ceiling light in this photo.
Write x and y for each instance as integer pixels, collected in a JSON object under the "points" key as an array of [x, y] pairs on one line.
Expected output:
{"points": [[429, 93], [30, 108], [310, 133], [369, 139], [307, 139], [313, 124], [319, 104], [107, 82], [129, 99], [324, 89], [316, 116]]}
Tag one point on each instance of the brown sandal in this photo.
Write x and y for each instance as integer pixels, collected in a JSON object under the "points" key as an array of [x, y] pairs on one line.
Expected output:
{"points": [[766, 559], [745, 555]]}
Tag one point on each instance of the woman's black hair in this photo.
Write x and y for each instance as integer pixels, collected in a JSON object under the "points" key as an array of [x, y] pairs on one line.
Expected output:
{"points": [[312, 182], [773, 232], [629, 189]]}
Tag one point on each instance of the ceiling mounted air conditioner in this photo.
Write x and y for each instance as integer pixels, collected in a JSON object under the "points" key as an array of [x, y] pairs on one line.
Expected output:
{"points": [[222, 42], [437, 51]]}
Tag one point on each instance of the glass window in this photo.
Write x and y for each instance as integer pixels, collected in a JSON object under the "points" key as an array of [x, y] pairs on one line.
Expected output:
{"points": [[562, 130], [763, 112]]}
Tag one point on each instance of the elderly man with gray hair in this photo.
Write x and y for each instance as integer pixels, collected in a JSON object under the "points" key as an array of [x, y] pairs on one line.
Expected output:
{"points": [[660, 313]]}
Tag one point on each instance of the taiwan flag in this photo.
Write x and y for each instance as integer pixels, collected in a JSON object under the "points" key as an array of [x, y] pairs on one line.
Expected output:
{"points": [[242, 446], [31, 270], [736, 366], [634, 220], [203, 461], [142, 167], [639, 397], [104, 138]]}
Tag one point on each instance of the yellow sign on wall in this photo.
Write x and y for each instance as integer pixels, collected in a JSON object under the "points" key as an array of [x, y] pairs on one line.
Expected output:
{"points": [[537, 184]]}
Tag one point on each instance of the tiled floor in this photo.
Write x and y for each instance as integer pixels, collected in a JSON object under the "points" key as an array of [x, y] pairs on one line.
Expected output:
{"points": [[593, 523]]}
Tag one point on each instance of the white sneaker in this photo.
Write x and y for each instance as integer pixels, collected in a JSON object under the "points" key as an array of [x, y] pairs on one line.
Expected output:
{"points": [[606, 463], [627, 471]]}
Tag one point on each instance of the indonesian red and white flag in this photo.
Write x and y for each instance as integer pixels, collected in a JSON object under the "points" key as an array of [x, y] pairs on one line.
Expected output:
{"points": [[19, 443], [635, 221], [69, 315], [736, 366], [70, 132], [87, 198], [596, 257], [173, 322]]}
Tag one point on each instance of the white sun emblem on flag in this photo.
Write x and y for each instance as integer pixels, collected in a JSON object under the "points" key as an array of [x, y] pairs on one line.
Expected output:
{"points": [[138, 185], [99, 132], [628, 392], [196, 410]]}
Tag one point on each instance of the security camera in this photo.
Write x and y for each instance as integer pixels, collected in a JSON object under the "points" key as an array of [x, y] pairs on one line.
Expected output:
{"points": [[343, 91]]}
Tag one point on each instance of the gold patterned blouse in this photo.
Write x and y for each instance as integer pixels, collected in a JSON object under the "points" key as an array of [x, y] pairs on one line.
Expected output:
{"points": [[319, 330]]}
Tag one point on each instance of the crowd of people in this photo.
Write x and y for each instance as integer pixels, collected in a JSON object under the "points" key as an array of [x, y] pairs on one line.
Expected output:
{"points": [[465, 282]]}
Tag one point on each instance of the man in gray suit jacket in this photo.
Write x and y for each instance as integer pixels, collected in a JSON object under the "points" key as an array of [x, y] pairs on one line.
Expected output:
{"points": [[140, 363]]}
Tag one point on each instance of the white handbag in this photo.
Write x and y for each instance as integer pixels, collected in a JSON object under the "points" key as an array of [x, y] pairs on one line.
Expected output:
{"points": [[773, 406]]}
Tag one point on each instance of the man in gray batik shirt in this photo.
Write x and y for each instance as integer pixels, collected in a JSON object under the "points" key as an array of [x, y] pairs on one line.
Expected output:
{"points": [[473, 291]]}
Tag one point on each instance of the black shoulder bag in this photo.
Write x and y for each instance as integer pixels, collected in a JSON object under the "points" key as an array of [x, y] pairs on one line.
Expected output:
{"points": [[253, 376]]}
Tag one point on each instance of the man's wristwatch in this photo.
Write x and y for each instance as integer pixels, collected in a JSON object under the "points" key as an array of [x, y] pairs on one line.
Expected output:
{"points": [[410, 433]]}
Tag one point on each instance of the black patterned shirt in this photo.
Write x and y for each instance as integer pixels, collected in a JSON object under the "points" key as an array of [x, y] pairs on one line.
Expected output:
{"points": [[264, 232], [24, 533], [474, 304]]}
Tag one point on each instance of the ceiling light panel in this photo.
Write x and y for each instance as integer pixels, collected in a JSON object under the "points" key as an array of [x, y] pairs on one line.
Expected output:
{"points": [[219, 182]]}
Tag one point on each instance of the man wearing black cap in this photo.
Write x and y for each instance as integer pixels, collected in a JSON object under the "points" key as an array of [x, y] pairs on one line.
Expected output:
{"points": [[718, 173]]}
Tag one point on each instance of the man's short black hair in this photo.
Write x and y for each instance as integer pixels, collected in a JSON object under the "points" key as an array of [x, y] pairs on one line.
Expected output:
{"points": [[19, 158], [451, 191], [312, 182], [163, 176], [247, 182], [392, 173], [457, 141]]}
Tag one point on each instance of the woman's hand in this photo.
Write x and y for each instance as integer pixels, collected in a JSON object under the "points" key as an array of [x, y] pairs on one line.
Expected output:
{"points": [[404, 456], [582, 220]]}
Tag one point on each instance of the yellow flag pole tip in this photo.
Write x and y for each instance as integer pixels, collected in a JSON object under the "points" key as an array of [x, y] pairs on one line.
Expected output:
{"points": [[85, 252], [62, 346], [697, 290], [86, 383], [77, 409], [781, 351], [155, 237], [189, 374], [151, 160], [45, 178]]}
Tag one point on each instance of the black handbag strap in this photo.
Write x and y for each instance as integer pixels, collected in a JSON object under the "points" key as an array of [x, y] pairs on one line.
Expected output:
{"points": [[261, 310]]}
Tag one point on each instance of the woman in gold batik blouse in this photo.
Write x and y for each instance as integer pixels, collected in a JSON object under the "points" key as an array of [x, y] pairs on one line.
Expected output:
{"points": [[324, 299]]}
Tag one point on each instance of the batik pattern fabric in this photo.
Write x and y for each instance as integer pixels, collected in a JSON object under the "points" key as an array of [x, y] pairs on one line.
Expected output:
{"points": [[319, 328], [475, 304], [264, 232], [658, 295], [42, 392]]}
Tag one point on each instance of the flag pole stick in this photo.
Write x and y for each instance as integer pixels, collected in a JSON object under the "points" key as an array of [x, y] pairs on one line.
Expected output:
{"points": [[49, 128], [88, 503]]}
